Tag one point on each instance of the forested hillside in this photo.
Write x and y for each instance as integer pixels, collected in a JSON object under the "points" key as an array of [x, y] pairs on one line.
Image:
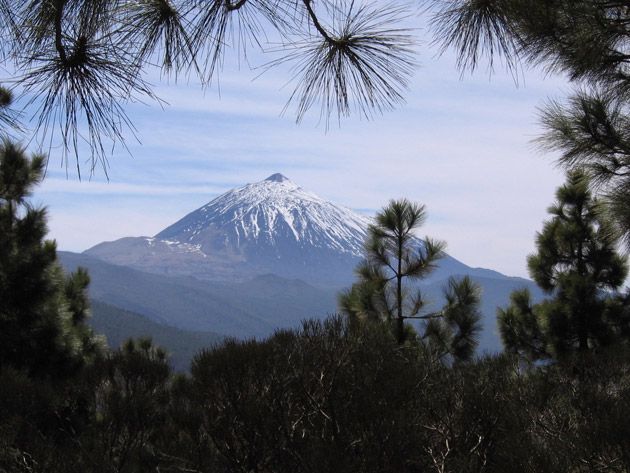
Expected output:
{"points": [[119, 325]]}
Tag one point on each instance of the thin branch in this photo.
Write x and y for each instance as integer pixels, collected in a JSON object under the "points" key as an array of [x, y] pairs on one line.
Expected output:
{"points": [[59, 4], [433, 315], [316, 23]]}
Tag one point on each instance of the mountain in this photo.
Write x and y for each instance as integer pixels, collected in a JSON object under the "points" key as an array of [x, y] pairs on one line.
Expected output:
{"points": [[272, 226], [257, 257], [269, 227]]}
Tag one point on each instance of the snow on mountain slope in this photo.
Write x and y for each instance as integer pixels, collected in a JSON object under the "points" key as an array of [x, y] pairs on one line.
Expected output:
{"points": [[271, 226], [274, 213]]}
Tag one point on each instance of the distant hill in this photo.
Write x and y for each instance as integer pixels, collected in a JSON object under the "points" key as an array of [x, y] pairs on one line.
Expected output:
{"points": [[118, 325], [252, 308]]}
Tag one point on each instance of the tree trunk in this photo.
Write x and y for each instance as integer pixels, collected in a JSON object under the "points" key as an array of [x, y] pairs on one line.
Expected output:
{"points": [[400, 321]]}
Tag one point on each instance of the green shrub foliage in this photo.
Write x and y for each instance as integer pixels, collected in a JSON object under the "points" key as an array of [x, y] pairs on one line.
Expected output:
{"points": [[577, 264], [42, 310], [327, 397]]}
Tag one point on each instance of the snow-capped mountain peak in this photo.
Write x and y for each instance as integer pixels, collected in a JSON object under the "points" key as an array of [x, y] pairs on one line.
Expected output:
{"points": [[274, 215], [268, 228], [271, 226]]}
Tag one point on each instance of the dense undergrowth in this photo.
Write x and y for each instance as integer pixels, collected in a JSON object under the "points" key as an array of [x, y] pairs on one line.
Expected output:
{"points": [[326, 397]]}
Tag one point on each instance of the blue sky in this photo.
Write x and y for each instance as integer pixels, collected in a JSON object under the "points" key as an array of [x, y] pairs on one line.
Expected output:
{"points": [[461, 145]]}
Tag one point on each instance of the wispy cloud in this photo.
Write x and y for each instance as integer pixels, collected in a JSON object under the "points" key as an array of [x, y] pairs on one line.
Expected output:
{"points": [[67, 186]]}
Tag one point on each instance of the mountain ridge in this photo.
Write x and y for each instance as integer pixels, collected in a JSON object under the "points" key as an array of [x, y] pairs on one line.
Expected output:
{"points": [[194, 305]]}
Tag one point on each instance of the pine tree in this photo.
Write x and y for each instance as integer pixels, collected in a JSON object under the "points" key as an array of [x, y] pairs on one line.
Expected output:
{"points": [[395, 257], [42, 311], [577, 265]]}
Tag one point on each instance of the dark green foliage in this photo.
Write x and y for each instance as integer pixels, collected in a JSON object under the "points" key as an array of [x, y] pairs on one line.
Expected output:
{"points": [[42, 311], [581, 404], [331, 396], [520, 329], [591, 132], [108, 418], [8, 116], [240, 399], [473, 420], [394, 258], [581, 38], [577, 264], [129, 395], [44, 341], [299, 401], [459, 324]]}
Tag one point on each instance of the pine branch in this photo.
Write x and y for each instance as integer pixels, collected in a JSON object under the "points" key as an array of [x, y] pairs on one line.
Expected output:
{"points": [[316, 23], [59, 5]]}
